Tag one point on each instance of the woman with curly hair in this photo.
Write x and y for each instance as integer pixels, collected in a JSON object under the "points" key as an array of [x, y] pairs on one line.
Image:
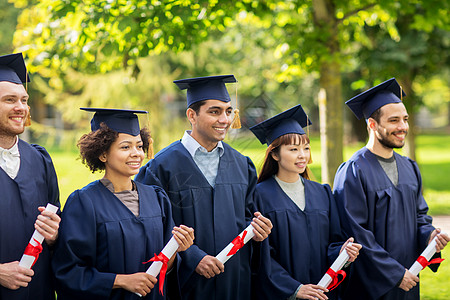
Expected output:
{"points": [[306, 237], [112, 225]]}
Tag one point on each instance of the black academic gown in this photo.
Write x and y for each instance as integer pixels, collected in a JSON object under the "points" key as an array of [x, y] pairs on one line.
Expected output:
{"points": [[217, 215], [390, 222], [35, 185], [303, 244], [100, 237]]}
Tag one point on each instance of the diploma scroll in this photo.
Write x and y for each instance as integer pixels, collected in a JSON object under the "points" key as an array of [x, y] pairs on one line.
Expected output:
{"points": [[330, 276], [159, 262], [424, 258], [236, 244], [34, 246]]}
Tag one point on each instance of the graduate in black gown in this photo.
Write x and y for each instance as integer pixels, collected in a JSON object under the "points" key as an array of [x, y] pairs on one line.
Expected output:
{"points": [[27, 183], [306, 237], [211, 187], [379, 195], [113, 225]]}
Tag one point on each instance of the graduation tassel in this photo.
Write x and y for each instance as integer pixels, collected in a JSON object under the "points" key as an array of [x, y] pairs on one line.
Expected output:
{"points": [[401, 93], [307, 132], [236, 123], [28, 118]]}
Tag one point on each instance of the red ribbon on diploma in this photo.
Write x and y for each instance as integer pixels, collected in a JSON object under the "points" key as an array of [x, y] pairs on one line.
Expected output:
{"points": [[425, 263], [164, 259], [334, 278], [238, 243], [33, 250]]}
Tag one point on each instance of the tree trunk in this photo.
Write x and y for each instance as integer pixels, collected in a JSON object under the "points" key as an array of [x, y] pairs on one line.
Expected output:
{"points": [[410, 103], [330, 81], [448, 114]]}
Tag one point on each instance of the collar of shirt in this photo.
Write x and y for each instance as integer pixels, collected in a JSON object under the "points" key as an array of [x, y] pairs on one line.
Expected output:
{"points": [[10, 160], [13, 151], [192, 145]]}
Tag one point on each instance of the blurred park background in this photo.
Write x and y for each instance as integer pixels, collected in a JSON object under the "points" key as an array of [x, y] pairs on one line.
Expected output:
{"points": [[319, 53]]}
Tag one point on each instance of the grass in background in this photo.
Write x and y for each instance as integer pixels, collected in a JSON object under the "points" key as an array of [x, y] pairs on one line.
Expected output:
{"points": [[435, 286]]}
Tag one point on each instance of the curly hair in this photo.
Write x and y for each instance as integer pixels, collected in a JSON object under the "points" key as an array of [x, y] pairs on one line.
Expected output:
{"points": [[95, 143]]}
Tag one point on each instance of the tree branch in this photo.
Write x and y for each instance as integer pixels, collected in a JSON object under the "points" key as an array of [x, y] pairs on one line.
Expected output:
{"points": [[354, 12]]}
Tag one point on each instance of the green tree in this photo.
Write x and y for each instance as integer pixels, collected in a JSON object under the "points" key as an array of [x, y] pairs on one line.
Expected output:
{"points": [[320, 37], [8, 19]]}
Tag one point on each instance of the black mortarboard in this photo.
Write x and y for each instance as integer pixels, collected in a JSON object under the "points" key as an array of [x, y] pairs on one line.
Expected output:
{"points": [[206, 88], [290, 121], [366, 103], [13, 69], [120, 120]]}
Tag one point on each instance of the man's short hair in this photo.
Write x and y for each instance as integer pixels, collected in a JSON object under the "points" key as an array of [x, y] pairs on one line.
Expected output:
{"points": [[196, 106], [376, 115]]}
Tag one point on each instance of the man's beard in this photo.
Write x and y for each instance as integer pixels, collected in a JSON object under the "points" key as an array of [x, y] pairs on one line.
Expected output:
{"points": [[383, 139]]}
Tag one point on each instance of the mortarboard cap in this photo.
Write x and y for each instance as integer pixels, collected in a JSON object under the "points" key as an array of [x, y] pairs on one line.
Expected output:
{"points": [[206, 88], [366, 103], [120, 120], [13, 69], [290, 121]]}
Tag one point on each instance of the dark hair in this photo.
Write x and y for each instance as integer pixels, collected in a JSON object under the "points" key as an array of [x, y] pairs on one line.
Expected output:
{"points": [[196, 106], [376, 115], [270, 166], [95, 143]]}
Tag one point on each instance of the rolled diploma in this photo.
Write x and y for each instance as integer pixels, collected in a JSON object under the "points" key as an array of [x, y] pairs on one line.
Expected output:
{"points": [[169, 250], [429, 251], [27, 260], [223, 255], [337, 265]]}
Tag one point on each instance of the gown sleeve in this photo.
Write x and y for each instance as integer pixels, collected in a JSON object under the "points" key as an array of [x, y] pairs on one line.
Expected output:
{"points": [[51, 179], [424, 221], [275, 281], [75, 253], [337, 237]]}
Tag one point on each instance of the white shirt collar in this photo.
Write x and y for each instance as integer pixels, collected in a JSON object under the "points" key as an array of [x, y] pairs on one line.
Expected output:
{"points": [[192, 145], [10, 160], [14, 150]]}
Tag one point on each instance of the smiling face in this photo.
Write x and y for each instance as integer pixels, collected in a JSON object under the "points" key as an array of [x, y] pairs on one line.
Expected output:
{"points": [[392, 128], [13, 110], [211, 124], [124, 157], [292, 160]]}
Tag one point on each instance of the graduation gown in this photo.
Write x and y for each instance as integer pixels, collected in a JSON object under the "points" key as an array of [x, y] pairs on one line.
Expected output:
{"points": [[100, 237], [391, 223], [35, 185], [217, 215], [302, 244]]}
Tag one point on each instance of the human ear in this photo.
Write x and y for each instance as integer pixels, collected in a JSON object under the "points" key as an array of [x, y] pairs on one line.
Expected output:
{"points": [[274, 156], [371, 123], [102, 157], [190, 114]]}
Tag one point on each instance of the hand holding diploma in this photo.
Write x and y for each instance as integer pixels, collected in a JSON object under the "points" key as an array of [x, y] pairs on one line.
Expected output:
{"points": [[13, 276], [182, 239], [46, 227], [349, 252], [437, 242], [259, 229], [47, 223], [262, 227]]}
